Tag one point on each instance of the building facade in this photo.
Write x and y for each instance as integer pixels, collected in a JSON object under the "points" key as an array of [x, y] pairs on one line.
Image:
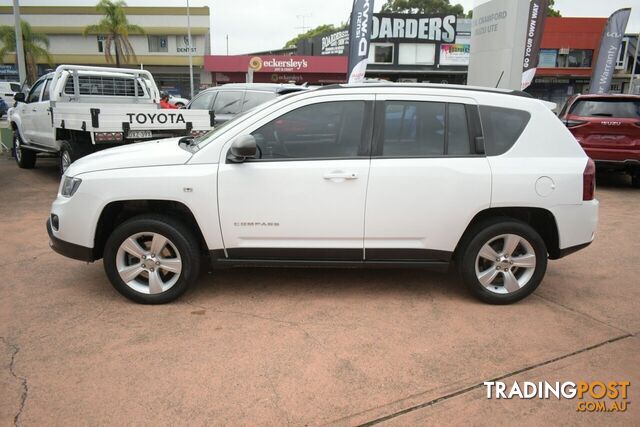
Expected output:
{"points": [[406, 47], [267, 68], [163, 49], [568, 53]]}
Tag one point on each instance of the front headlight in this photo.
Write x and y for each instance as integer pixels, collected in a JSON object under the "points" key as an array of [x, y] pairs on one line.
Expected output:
{"points": [[69, 186]]}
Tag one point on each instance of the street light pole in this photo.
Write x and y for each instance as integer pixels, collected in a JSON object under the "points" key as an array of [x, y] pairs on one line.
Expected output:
{"points": [[22, 70], [189, 48]]}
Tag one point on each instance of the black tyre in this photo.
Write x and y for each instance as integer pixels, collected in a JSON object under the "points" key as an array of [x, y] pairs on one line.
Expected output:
{"points": [[152, 259], [70, 151], [25, 158], [179, 105], [504, 261]]}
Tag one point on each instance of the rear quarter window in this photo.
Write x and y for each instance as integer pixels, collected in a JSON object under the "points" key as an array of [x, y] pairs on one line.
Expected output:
{"points": [[607, 107], [501, 128]]}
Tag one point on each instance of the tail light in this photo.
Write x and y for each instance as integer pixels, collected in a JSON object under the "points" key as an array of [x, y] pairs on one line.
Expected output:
{"points": [[589, 180], [108, 136], [574, 123]]}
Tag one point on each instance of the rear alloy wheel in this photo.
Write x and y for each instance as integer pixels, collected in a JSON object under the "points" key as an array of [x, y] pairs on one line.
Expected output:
{"points": [[504, 262], [25, 158], [151, 259]]}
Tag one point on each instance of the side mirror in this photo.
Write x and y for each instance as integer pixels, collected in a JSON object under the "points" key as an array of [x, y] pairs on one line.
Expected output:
{"points": [[478, 142], [19, 97], [242, 147]]}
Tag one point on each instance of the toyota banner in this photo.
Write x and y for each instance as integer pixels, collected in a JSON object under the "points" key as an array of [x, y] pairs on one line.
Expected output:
{"points": [[359, 36], [608, 52]]}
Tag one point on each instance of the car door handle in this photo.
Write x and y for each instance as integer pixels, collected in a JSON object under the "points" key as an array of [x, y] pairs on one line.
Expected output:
{"points": [[340, 176]]}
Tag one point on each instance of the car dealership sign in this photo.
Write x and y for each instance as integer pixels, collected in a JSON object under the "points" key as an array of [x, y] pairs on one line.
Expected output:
{"points": [[404, 28]]}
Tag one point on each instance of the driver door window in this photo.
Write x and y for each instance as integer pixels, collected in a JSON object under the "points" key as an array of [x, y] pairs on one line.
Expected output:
{"points": [[318, 131], [34, 94]]}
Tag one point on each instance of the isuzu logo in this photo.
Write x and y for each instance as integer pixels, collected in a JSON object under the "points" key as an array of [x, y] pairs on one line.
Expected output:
{"points": [[152, 118], [610, 123]]}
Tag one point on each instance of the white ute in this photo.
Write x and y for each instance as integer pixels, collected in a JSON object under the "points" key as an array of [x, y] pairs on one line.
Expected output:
{"points": [[358, 175], [77, 110]]}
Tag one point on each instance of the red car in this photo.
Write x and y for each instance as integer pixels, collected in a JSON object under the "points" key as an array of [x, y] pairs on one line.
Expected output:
{"points": [[608, 129]]}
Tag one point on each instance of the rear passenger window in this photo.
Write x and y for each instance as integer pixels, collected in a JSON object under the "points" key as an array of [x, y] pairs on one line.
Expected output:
{"points": [[424, 129], [228, 102], [253, 99], [501, 127], [413, 129]]}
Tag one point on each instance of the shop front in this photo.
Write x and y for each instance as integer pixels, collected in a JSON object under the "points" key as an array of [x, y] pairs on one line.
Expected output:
{"points": [[299, 69]]}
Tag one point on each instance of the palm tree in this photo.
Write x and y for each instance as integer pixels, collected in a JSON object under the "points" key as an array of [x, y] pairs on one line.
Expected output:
{"points": [[35, 46], [115, 29]]}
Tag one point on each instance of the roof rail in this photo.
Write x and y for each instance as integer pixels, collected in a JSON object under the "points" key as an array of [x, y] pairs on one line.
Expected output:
{"points": [[432, 86]]}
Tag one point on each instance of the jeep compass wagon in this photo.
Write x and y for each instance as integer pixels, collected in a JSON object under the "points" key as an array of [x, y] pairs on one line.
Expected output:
{"points": [[371, 175]]}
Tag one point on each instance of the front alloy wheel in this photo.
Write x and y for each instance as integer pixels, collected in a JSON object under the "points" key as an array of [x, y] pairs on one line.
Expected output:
{"points": [[152, 259], [149, 263], [25, 158]]}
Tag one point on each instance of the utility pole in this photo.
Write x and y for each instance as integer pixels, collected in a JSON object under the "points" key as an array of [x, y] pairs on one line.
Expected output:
{"points": [[189, 48], [633, 65], [20, 63], [227, 44]]}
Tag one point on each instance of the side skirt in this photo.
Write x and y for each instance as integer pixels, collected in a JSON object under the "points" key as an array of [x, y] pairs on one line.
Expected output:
{"points": [[219, 261]]}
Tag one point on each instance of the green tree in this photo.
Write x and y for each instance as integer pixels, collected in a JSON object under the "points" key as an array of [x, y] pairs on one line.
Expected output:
{"points": [[115, 29], [551, 11], [424, 6], [319, 30], [35, 46]]}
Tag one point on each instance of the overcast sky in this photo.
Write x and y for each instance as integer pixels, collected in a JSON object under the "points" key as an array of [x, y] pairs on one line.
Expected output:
{"points": [[262, 25]]}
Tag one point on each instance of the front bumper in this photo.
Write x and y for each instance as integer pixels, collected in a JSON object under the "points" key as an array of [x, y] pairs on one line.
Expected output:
{"points": [[70, 250]]}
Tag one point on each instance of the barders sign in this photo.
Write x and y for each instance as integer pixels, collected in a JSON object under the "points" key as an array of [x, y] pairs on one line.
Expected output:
{"points": [[398, 27]]}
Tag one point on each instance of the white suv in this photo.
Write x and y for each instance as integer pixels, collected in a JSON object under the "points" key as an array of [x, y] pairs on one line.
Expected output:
{"points": [[372, 175]]}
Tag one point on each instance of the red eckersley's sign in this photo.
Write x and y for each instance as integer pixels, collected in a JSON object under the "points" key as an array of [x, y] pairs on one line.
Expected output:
{"points": [[276, 64]]}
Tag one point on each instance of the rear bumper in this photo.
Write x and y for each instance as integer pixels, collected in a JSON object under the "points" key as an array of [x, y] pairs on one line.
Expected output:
{"points": [[571, 249], [577, 226], [70, 250], [618, 164], [614, 157]]}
